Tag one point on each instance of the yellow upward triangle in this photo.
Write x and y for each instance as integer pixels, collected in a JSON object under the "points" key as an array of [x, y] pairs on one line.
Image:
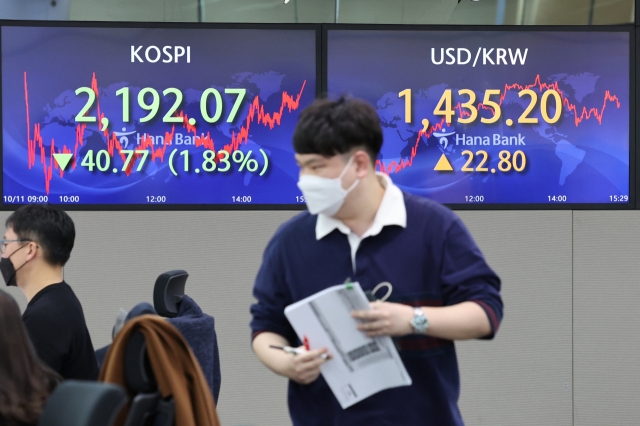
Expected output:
{"points": [[443, 165]]}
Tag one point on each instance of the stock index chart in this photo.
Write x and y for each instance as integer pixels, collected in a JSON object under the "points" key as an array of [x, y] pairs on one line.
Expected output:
{"points": [[495, 117], [133, 116]]}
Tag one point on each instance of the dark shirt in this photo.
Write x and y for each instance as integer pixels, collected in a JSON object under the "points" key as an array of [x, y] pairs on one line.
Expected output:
{"points": [[56, 325], [432, 262]]}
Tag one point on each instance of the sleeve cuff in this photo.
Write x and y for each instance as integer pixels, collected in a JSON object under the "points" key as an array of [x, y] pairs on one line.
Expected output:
{"points": [[494, 321], [288, 338], [255, 334]]}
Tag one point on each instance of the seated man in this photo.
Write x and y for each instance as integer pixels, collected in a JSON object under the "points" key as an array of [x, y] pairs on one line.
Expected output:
{"points": [[36, 246]]}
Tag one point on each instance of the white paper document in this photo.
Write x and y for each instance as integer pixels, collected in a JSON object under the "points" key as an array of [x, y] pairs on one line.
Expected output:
{"points": [[361, 365]]}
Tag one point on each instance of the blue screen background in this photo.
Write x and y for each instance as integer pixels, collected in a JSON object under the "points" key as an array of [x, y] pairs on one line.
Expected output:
{"points": [[583, 163], [57, 61]]}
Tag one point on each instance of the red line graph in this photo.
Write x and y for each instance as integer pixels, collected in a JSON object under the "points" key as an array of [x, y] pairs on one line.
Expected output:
{"points": [[256, 114], [579, 116]]}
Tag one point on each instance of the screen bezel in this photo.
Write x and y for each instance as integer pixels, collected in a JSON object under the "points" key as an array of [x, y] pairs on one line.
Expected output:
{"points": [[634, 190], [162, 25], [322, 31]]}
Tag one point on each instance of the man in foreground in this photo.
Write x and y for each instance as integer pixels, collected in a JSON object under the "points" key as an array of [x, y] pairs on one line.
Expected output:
{"points": [[361, 227]]}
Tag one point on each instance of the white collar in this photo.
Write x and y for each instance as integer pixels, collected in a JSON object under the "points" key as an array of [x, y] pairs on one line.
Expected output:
{"points": [[392, 211]]}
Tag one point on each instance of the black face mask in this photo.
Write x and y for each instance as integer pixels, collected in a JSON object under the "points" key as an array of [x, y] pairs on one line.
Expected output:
{"points": [[8, 270]]}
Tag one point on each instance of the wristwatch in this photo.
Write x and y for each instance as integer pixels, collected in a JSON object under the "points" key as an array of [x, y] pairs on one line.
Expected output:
{"points": [[419, 322]]}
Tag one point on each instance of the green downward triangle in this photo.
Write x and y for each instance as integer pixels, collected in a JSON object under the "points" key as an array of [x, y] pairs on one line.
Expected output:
{"points": [[63, 159]]}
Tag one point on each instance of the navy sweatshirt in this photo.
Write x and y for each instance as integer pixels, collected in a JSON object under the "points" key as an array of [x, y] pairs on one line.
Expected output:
{"points": [[432, 262]]}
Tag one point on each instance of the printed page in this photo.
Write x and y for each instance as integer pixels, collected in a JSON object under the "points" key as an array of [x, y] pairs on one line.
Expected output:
{"points": [[362, 366]]}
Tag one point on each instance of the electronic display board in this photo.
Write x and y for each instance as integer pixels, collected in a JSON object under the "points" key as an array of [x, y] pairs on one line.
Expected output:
{"points": [[529, 117], [135, 115]]}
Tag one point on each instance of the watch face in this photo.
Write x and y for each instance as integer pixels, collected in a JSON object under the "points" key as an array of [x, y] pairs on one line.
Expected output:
{"points": [[419, 322]]}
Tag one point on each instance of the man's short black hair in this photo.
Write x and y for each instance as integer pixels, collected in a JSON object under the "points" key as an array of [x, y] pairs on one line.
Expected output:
{"points": [[48, 226], [329, 128]]}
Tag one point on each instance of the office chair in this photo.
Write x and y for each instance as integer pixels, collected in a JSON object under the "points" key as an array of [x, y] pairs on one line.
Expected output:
{"points": [[198, 329], [152, 360], [79, 403]]}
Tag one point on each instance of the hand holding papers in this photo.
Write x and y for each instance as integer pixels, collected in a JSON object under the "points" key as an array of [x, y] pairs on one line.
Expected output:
{"points": [[362, 366]]}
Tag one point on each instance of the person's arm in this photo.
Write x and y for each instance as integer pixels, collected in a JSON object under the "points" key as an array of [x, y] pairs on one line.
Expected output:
{"points": [[303, 368], [470, 293], [466, 320], [270, 326]]}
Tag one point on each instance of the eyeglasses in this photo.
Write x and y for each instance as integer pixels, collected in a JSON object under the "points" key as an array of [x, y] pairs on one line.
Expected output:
{"points": [[3, 243]]}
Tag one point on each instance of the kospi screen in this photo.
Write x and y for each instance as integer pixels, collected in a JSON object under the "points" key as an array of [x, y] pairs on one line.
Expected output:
{"points": [[495, 117], [153, 116]]}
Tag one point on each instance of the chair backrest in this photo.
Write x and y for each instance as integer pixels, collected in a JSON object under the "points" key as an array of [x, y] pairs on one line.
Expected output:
{"points": [[137, 368], [147, 407], [198, 330], [167, 292], [79, 403]]}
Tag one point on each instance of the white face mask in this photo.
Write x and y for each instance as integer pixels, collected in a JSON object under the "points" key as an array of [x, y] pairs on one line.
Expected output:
{"points": [[325, 195]]}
